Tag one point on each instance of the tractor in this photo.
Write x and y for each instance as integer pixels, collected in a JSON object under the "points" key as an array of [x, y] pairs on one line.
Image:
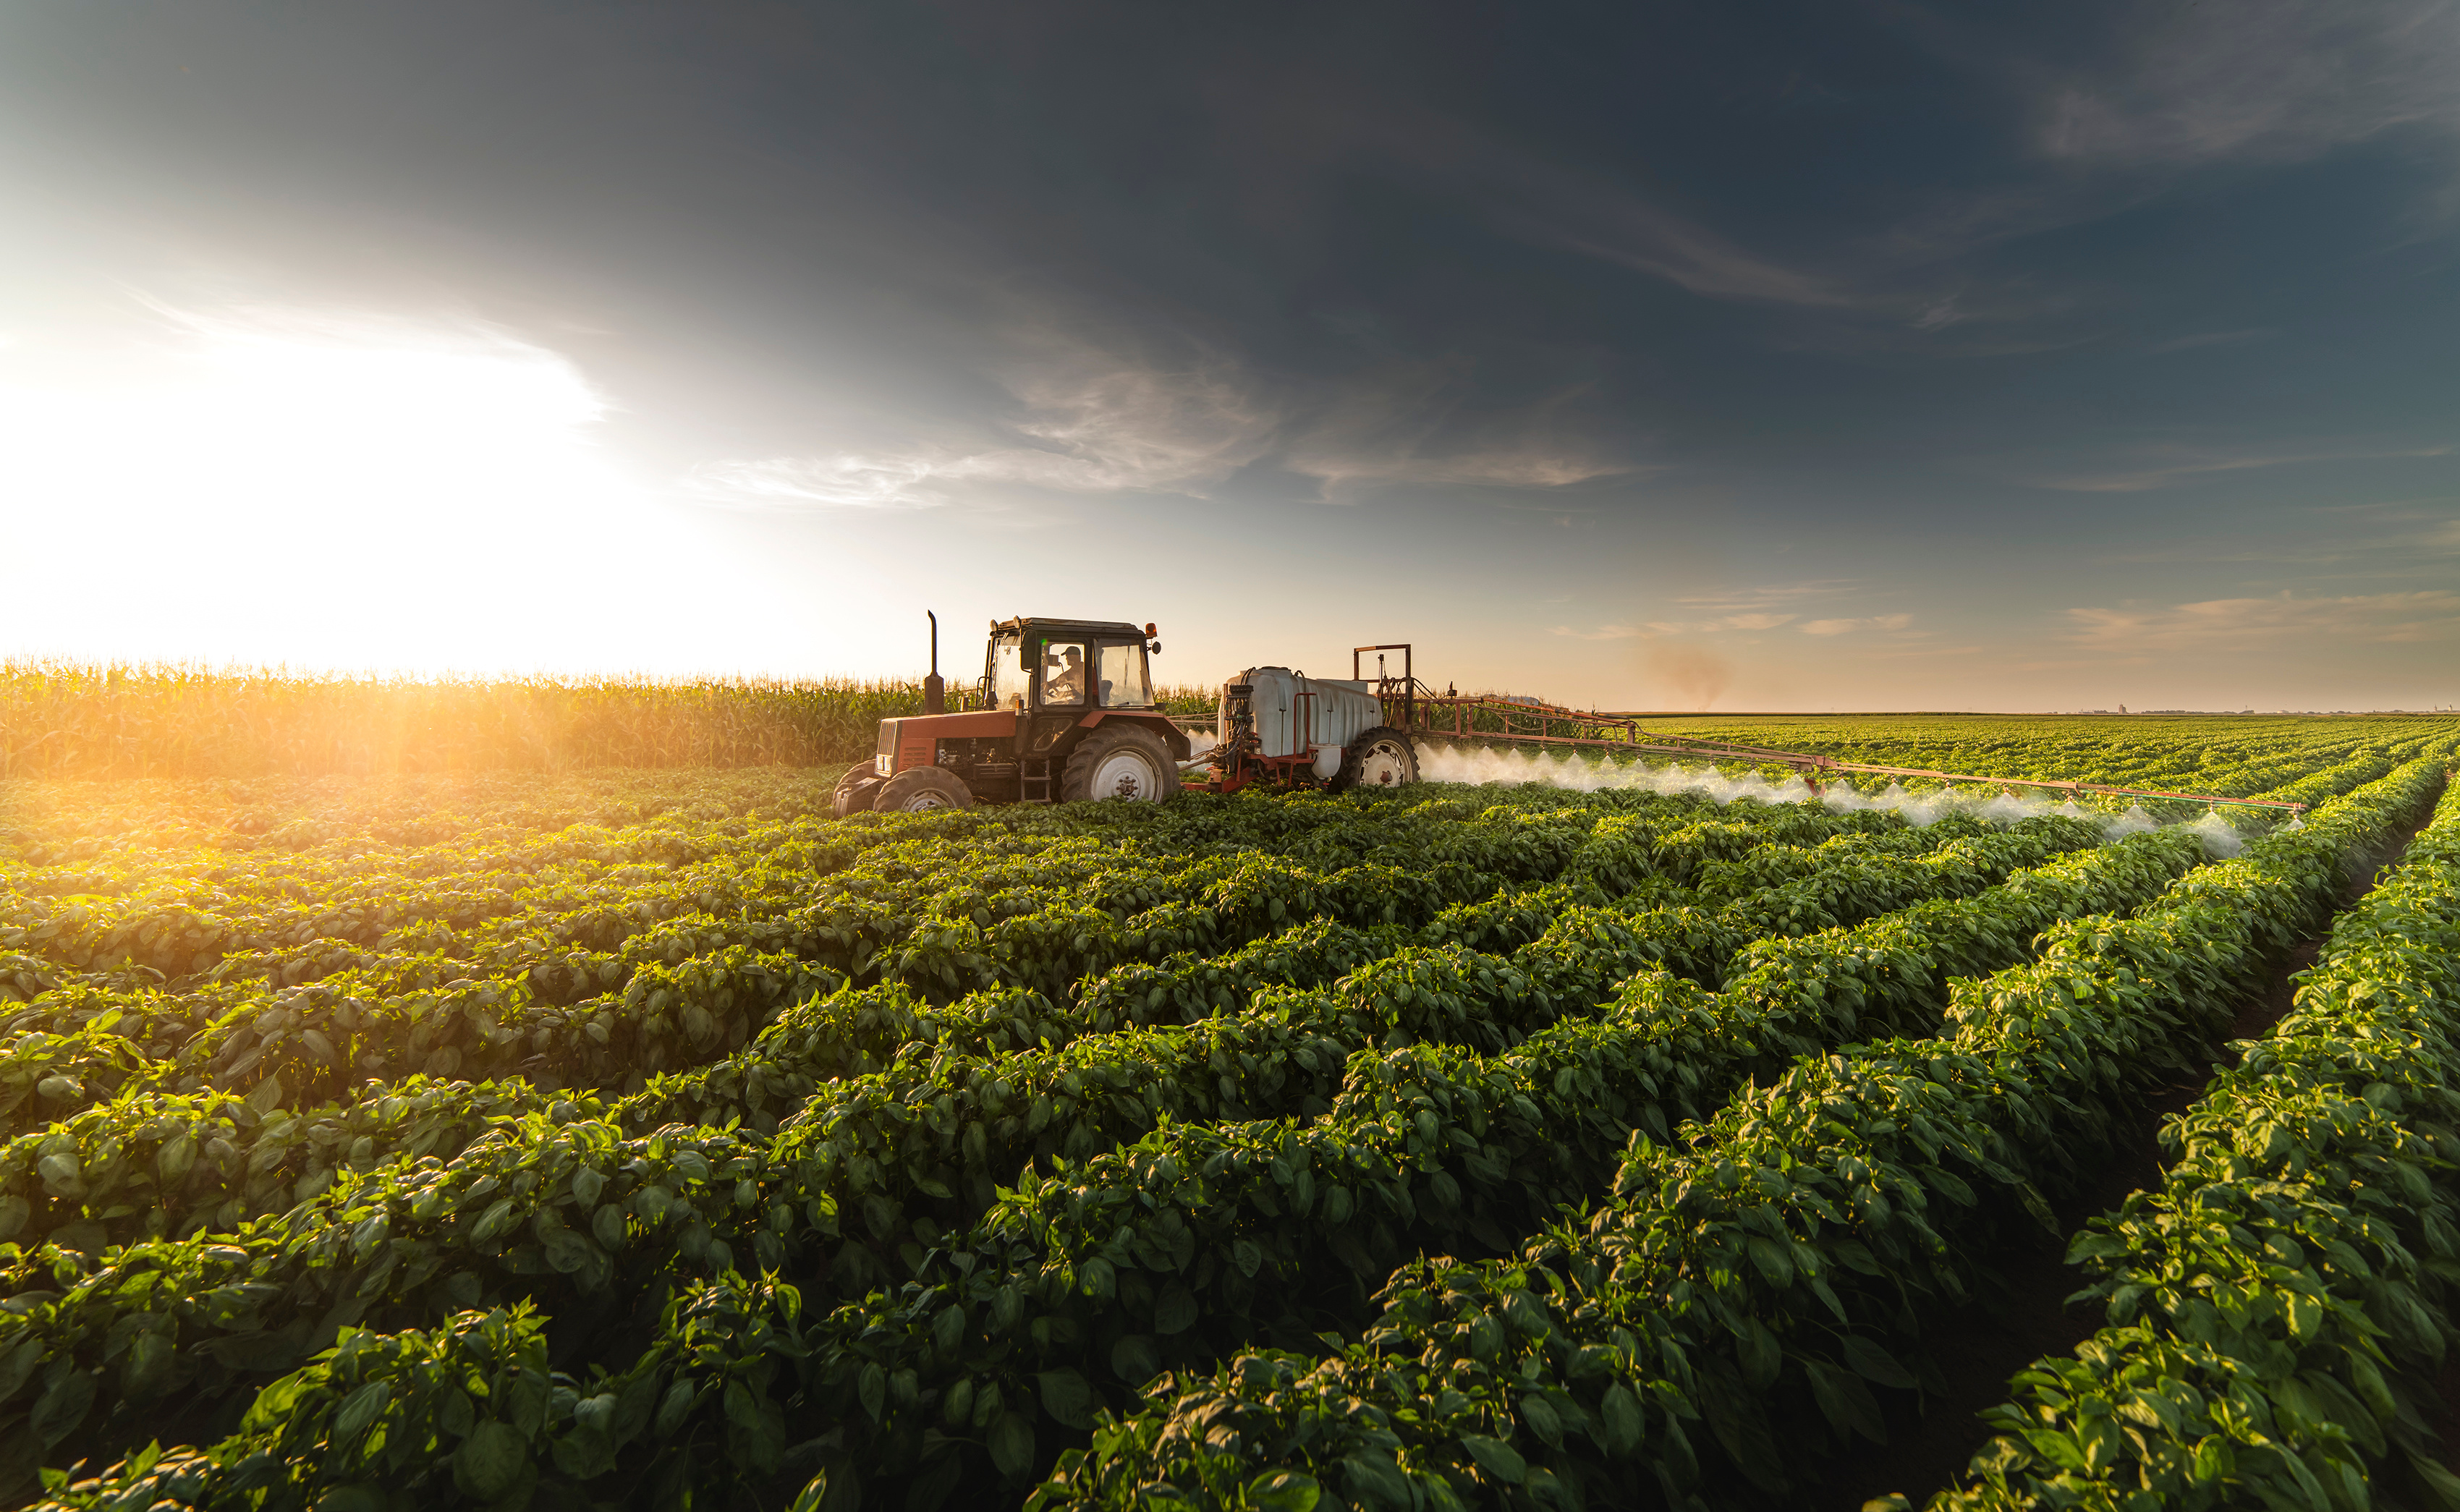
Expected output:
{"points": [[1065, 712]]}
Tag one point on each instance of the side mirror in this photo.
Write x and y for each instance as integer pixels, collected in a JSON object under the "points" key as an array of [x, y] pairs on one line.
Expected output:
{"points": [[1154, 647]]}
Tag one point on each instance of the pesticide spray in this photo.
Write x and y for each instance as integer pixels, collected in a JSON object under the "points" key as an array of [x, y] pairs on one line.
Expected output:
{"points": [[1486, 765]]}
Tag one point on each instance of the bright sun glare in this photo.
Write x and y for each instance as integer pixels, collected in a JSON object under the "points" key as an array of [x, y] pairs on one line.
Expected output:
{"points": [[337, 490]]}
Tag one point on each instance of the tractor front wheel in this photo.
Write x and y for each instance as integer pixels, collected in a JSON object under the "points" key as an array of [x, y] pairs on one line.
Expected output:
{"points": [[856, 790], [1120, 761], [922, 790], [1381, 757]]}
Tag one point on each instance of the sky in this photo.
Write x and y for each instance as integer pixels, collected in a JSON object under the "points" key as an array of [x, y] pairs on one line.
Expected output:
{"points": [[1745, 356]]}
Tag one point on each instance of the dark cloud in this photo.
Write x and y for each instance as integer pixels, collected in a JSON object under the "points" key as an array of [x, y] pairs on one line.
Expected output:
{"points": [[1739, 277]]}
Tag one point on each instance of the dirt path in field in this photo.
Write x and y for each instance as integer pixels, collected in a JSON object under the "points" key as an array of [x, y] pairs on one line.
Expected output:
{"points": [[2025, 1315]]}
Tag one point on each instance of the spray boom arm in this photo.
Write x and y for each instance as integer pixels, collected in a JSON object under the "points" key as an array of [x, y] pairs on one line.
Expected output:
{"points": [[1412, 705]]}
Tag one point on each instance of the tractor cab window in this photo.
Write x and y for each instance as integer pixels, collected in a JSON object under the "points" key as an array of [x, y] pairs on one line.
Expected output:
{"points": [[1124, 684], [1063, 672], [1011, 682]]}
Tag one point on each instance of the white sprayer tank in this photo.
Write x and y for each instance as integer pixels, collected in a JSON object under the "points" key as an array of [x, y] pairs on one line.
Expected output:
{"points": [[1296, 714]]}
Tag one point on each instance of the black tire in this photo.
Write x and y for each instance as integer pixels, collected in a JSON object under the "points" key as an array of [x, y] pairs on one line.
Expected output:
{"points": [[856, 790], [1382, 757], [1121, 760], [920, 790]]}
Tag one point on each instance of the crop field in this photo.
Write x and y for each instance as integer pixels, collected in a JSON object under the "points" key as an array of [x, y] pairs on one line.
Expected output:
{"points": [[555, 1139], [76, 719]]}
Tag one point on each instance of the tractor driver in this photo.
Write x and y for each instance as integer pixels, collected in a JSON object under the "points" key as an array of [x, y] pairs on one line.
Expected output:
{"points": [[1063, 676]]}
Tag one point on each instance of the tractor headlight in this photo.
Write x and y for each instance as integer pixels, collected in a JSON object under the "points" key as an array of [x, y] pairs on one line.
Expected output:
{"points": [[884, 764]]}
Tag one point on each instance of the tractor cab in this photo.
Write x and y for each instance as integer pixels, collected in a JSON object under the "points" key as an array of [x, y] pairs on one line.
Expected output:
{"points": [[1051, 667], [1065, 712]]}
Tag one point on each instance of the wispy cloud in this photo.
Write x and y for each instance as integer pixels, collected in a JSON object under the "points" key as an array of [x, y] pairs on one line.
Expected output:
{"points": [[2120, 118], [1747, 620], [793, 483], [2256, 623], [1762, 596], [1876, 622], [1603, 632], [1754, 621], [2264, 81], [1084, 419], [2170, 466]]}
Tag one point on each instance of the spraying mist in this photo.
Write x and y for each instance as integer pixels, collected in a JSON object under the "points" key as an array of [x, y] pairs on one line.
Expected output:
{"points": [[1453, 764]]}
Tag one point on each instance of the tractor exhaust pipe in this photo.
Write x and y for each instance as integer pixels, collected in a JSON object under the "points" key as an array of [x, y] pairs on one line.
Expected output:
{"points": [[935, 693]]}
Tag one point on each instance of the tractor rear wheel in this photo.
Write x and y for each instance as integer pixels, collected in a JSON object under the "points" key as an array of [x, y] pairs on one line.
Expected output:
{"points": [[920, 790], [1381, 757], [1121, 760], [856, 790]]}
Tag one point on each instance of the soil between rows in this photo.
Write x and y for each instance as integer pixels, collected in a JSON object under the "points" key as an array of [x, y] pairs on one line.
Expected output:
{"points": [[2025, 1315]]}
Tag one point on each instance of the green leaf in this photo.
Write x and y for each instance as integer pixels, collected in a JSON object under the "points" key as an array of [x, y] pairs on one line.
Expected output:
{"points": [[873, 1390], [1011, 1445], [583, 1454], [1626, 1426], [1283, 1491], [635, 1405], [1485, 1336], [1176, 1312], [1775, 1260], [2438, 1480], [1761, 1356], [1549, 1493], [2095, 1245], [567, 1250], [1874, 1364], [1374, 1478], [490, 1460], [1136, 1359], [147, 1367], [58, 1410], [1068, 1398], [755, 1428], [1496, 1457], [2306, 1314], [678, 1406], [1542, 1419], [359, 1411], [1846, 1401]]}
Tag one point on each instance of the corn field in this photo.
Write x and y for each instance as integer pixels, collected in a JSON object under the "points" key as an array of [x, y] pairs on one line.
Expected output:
{"points": [[66, 719]]}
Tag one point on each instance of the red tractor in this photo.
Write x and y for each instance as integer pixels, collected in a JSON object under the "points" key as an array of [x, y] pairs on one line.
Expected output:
{"points": [[1065, 712]]}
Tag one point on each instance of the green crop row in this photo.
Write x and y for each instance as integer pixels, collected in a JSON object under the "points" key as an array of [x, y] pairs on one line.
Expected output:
{"points": [[813, 1044], [1764, 1275], [2236, 757], [2279, 1308], [700, 986], [1024, 948], [936, 1134], [564, 1210], [798, 1054]]}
